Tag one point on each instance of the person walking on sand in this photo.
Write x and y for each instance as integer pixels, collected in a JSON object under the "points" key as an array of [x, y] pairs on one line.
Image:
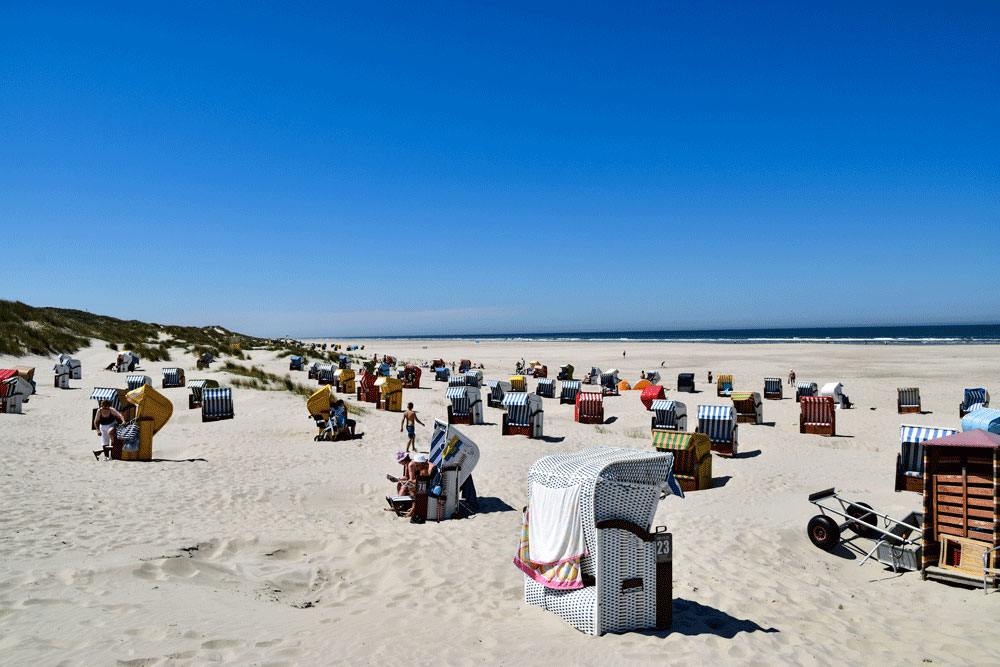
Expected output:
{"points": [[791, 377], [408, 418], [106, 419]]}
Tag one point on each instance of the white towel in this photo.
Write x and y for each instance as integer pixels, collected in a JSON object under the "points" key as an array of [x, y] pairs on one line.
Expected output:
{"points": [[554, 526]]}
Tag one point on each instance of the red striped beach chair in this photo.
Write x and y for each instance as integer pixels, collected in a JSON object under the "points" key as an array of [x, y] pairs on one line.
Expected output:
{"points": [[589, 407], [817, 415]]}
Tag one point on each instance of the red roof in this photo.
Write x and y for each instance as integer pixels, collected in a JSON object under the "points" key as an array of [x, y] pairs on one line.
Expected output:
{"points": [[6, 373], [974, 438]]}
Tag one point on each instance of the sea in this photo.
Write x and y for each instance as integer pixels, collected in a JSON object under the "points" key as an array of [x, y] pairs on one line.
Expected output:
{"points": [[942, 334]]}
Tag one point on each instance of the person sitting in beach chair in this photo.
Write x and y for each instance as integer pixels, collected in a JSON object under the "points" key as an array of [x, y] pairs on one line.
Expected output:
{"points": [[414, 483]]}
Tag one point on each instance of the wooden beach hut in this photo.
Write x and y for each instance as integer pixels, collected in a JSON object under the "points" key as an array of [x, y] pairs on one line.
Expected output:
{"points": [[961, 494]]}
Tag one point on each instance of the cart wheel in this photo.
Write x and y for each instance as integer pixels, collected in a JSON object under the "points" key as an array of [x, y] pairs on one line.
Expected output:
{"points": [[860, 529], [317, 438], [824, 532]]}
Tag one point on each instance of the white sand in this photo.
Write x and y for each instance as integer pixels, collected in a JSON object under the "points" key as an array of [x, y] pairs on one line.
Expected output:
{"points": [[219, 558]]}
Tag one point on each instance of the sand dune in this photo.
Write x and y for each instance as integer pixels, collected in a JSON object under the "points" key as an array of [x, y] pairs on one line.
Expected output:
{"points": [[248, 542]]}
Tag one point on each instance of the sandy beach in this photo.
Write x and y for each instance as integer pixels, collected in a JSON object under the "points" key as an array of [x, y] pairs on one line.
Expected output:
{"points": [[247, 542]]}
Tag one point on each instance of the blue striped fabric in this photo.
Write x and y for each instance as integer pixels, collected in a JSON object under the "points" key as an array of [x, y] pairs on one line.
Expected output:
{"points": [[492, 384], [515, 398], [911, 451], [456, 392], [666, 417], [571, 384], [217, 402], [772, 384], [984, 418], [136, 381], [717, 422], [171, 376], [106, 394], [662, 404], [546, 382], [974, 396], [457, 381]]}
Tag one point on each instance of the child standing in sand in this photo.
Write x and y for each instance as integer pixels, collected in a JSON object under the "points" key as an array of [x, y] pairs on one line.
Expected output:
{"points": [[409, 417]]}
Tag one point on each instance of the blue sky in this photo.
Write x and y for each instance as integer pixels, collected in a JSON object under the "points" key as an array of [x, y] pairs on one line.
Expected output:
{"points": [[384, 168]]}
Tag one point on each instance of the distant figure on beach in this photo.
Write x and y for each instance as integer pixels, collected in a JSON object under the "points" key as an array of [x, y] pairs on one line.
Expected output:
{"points": [[340, 410], [105, 421], [623, 354], [409, 417], [710, 377], [453, 367], [791, 377], [642, 375]]}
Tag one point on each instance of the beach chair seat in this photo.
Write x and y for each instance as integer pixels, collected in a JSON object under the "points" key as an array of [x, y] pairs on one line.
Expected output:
{"points": [[685, 382], [805, 389], [652, 376], [749, 408], [217, 404], [568, 390], [466, 405], [910, 460], [668, 415], [75, 369], [907, 399], [724, 385], [410, 375], [625, 574], [455, 456], [835, 390], [197, 387], [773, 389], [540, 371], [817, 414], [495, 392], [546, 387], [473, 378], [61, 375], [589, 407], [692, 457], [974, 399], [172, 377], [367, 391], [464, 365], [718, 422], [524, 415], [390, 396], [344, 380], [652, 393]]}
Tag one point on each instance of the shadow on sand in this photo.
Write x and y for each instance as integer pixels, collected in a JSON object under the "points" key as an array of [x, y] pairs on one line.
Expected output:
{"points": [[693, 618]]}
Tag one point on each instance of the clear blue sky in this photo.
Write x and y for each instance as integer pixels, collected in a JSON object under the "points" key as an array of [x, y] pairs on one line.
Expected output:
{"points": [[393, 168]]}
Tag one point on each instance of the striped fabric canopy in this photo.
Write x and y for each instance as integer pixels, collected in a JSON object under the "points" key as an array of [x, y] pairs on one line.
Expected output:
{"points": [[134, 381], [717, 422], [474, 373], [171, 371], [673, 440], [106, 394], [662, 405], [456, 392], [772, 384], [546, 381], [217, 401], [741, 395], [492, 384], [515, 398], [911, 453], [197, 384], [457, 381], [716, 412], [571, 384], [590, 397], [805, 385], [817, 409]]}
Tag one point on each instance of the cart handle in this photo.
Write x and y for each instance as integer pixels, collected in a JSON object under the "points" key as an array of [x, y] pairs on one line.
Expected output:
{"points": [[819, 495]]}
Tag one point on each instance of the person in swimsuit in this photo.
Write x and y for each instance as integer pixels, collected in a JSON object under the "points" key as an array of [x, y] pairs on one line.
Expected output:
{"points": [[105, 421], [409, 417]]}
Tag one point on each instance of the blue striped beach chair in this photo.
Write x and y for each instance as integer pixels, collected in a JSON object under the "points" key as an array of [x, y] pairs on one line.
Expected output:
{"points": [[295, 363], [568, 390], [497, 388], [985, 418], [668, 415], [136, 381], [524, 414], [117, 400], [173, 377], [910, 460], [457, 381], [718, 422], [546, 387], [466, 405], [217, 404], [773, 389], [805, 389], [974, 399], [474, 378]]}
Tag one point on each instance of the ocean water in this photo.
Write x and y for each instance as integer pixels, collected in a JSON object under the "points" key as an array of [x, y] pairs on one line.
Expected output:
{"points": [[944, 334]]}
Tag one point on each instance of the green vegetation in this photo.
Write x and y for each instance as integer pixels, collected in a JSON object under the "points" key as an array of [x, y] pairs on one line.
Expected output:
{"points": [[259, 379], [26, 329]]}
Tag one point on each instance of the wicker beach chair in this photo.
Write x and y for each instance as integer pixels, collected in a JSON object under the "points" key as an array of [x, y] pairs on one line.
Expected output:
{"points": [[817, 415], [344, 380], [626, 571], [466, 405], [974, 399], [805, 389], [153, 411], [217, 404], [295, 363], [565, 372], [172, 377], [568, 389], [441, 374], [410, 375], [907, 399], [589, 408], [609, 382], [718, 422], [197, 387], [496, 391], [652, 393], [749, 408], [685, 382], [692, 457], [474, 378], [117, 399], [14, 392], [546, 387], [75, 370], [524, 415], [773, 389], [390, 394], [518, 383], [724, 385], [668, 415], [910, 460]]}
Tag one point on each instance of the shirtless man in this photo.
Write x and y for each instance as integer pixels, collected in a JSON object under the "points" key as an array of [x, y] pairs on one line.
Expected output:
{"points": [[408, 418]]}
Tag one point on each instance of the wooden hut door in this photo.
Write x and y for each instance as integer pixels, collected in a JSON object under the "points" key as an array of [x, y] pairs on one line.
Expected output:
{"points": [[963, 497]]}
